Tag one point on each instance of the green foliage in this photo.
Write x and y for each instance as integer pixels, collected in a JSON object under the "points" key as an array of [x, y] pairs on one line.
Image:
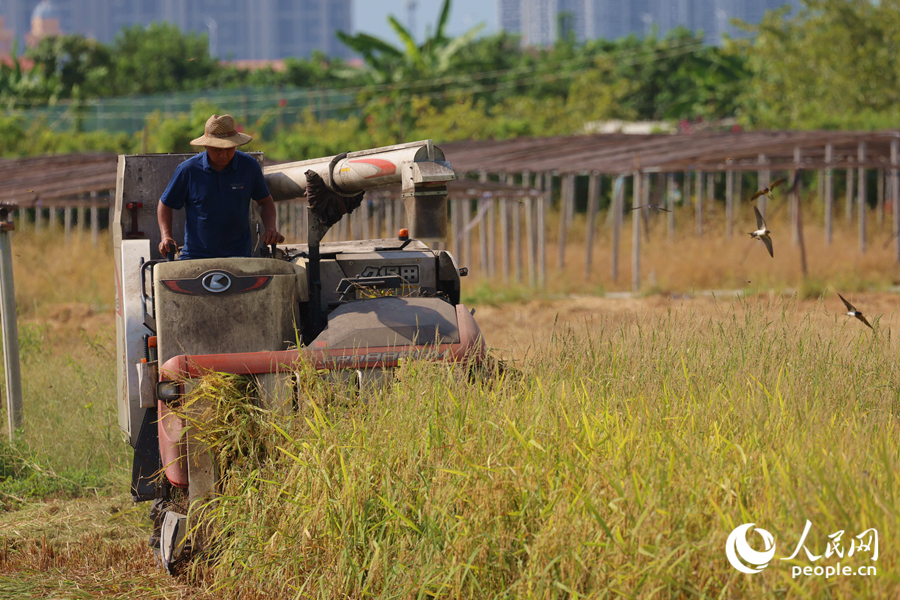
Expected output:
{"points": [[830, 66], [310, 136], [175, 135], [434, 57], [16, 85], [72, 67], [833, 65], [160, 58], [12, 135], [20, 138]]}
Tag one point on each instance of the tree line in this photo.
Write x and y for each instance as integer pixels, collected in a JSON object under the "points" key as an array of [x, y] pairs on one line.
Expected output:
{"points": [[831, 65]]}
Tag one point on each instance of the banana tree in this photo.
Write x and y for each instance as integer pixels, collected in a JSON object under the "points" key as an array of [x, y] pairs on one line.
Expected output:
{"points": [[396, 73], [410, 62]]}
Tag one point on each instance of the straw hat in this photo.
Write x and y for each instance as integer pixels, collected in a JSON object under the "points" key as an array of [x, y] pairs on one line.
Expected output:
{"points": [[221, 133]]}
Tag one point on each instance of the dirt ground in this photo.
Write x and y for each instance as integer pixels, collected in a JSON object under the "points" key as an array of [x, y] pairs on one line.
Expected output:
{"points": [[517, 330]]}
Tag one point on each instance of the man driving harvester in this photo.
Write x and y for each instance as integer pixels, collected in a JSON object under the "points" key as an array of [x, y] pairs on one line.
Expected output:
{"points": [[215, 188]]}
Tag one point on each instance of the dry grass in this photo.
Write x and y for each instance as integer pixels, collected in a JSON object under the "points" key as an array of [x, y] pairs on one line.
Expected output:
{"points": [[64, 302], [631, 438], [614, 462], [711, 261]]}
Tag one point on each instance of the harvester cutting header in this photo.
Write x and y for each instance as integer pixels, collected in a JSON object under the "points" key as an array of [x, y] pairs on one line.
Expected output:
{"points": [[352, 310]]}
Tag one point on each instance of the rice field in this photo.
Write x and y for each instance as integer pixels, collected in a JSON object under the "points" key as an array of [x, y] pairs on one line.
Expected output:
{"points": [[613, 455]]}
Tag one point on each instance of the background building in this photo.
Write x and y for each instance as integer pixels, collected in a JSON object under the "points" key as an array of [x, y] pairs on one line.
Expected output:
{"points": [[541, 22], [237, 29]]}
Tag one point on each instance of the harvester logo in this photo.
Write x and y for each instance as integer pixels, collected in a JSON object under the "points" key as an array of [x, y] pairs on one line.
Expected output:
{"points": [[739, 551], [216, 282]]}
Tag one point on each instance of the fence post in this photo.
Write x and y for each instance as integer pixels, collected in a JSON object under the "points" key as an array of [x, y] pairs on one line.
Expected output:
{"points": [[592, 208], [795, 198], [616, 208], [698, 206], [570, 203], [688, 197], [79, 220], [670, 195], [565, 198], [646, 185], [799, 217], [848, 201], [504, 239], [95, 223], [10, 329], [763, 177], [529, 239], [738, 181], [829, 193], [543, 208], [364, 220], [492, 235], [636, 196], [895, 196], [729, 200], [482, 229], [861, 197], [377, 207], [67, 222], [516, 229]]}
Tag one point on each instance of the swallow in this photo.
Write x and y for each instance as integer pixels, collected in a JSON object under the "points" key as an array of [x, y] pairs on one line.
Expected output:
{"points": [[767, 191], [852, 312], [649, 206], [762, 232]]}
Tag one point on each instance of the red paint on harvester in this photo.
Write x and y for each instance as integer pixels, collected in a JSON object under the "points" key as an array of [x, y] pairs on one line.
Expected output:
{"points": [[385, 167]]}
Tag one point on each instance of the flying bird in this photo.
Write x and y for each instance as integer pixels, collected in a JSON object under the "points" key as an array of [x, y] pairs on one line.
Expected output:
{"points": [[657, 207], [767, 191], [852, 312], [762, 232]]}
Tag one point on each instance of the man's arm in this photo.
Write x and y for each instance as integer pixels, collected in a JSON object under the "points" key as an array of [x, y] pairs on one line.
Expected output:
{"points": [[164, 218], [270, 219]]}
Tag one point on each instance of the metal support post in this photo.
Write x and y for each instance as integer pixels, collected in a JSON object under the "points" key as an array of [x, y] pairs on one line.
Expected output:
{"points": [[10, 328]]}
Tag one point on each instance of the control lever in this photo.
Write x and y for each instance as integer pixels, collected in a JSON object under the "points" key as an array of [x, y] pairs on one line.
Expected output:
{"points": [[170, 254]]}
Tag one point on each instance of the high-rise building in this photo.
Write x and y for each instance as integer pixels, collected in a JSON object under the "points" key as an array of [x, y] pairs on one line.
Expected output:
{"points": [[542, 22], [237, 29]]}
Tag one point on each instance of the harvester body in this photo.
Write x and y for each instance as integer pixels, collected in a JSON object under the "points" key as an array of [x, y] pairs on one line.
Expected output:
{"points": [[351, 310]]}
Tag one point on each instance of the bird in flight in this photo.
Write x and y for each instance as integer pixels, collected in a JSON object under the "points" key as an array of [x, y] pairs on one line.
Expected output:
{"points": [[657, 207], [767, 191], [762, 232], [852, 312]]}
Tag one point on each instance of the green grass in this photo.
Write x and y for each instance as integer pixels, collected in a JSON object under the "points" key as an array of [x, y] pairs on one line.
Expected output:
{"points": [[615, 463], [70, 443]]}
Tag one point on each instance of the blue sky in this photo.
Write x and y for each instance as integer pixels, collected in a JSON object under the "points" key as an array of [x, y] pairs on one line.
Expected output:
{"points": [[370, 16]]}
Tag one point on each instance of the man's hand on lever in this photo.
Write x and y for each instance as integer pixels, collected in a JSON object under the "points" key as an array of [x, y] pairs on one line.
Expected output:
{"points": [[271, 236], [167, 245]]}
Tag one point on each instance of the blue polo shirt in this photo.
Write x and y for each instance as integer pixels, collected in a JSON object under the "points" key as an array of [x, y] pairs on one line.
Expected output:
{"points": [[216, 204]]}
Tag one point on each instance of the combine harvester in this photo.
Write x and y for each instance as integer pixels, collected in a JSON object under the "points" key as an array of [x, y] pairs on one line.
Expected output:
{"points": [[352, 310]]}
